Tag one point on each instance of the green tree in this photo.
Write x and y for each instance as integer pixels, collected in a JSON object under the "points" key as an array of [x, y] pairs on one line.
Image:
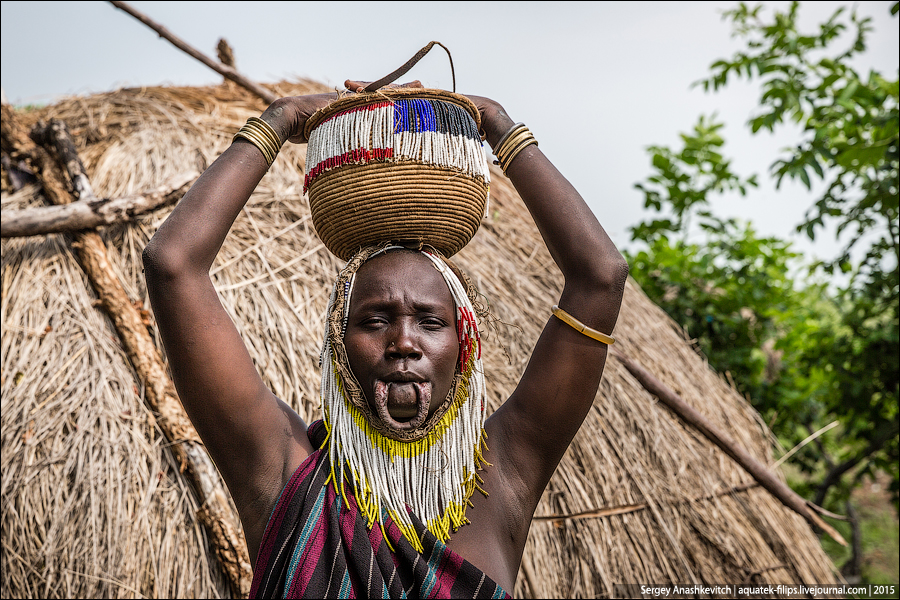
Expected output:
{"points": [[726, 290], [805, 354], [850, 140], [731, 290]]}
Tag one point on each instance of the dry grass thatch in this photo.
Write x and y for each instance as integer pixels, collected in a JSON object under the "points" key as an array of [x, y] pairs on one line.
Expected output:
{"points": [[93, 506]]}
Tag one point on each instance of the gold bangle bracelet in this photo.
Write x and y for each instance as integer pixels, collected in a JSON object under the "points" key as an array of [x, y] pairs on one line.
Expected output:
{"points": [[262, 146], [506, 135], [511, 142], [581, 327], [505, 164], [260, 134], [267, 129]]}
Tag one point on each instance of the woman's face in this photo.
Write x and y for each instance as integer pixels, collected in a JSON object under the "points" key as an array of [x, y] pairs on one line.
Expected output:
{"points": [[401, 337]]}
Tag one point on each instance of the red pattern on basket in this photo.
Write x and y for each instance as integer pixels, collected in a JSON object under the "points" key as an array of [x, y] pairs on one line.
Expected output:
{"points": [[355, 157]]}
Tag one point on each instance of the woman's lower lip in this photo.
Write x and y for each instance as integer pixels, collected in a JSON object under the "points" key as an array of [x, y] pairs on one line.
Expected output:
{"points": [[402, 395], [402, 405]]}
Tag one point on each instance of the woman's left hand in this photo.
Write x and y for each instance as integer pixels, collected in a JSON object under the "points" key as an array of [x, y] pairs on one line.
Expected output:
{"points": [[288, 116], [494, 120]]}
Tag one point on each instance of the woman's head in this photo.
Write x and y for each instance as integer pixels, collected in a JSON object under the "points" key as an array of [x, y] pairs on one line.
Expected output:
{"points": [[403, 385], [401, 337]]}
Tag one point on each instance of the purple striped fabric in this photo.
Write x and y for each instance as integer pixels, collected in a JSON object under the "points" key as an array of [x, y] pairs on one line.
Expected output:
{"points": [[318, 546]]}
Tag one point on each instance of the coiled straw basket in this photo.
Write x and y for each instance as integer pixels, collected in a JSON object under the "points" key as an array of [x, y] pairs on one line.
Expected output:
{"points": [[397, 164]]}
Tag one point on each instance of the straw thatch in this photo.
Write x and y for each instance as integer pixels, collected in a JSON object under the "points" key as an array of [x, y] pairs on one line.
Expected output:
{"points": [[93, 504]]}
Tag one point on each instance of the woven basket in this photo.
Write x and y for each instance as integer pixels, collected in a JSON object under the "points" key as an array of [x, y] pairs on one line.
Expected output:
{"points": [[400, 164]]}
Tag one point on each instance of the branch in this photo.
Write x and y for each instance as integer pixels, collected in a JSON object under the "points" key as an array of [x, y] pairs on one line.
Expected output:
{"points": [[22, 151], [820, 447], [96, 212], [893, 229], [757, 470], [810, 438], [55, 138], [852, 569], [630, 508], [222, 524], [224, 70], [836, 472]]}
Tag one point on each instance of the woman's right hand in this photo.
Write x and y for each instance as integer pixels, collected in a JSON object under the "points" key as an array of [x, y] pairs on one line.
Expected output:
{"points": [[288, 115]]}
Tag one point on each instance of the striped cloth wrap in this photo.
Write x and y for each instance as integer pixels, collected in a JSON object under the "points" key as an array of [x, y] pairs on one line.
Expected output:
{"points": [[318, 545]]}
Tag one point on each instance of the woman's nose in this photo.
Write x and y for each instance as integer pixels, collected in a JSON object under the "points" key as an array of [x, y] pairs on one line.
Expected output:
{"points": [[403, 342]]}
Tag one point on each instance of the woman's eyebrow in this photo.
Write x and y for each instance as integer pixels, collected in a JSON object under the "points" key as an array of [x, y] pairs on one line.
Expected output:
{"points": [[433, 307], [384, 304]]}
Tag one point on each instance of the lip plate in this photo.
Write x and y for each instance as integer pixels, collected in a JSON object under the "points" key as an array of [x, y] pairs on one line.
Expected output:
{"points": [[419, 402]]}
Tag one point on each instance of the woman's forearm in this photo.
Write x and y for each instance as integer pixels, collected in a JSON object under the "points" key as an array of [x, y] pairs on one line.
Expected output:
{"points": [[193, 234], [191, 237], [576, 240]]}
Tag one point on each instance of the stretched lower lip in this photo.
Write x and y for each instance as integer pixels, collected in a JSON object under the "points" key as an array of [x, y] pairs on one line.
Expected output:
{"points": [[402, 397]]}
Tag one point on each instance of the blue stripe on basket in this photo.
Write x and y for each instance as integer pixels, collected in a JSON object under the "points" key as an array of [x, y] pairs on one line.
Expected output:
{"points": [[415, 115]]}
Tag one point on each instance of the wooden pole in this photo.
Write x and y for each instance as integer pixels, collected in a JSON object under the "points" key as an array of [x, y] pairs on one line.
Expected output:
{"points": [[21, 149], [757, 470], [222, 524], [625, 509], [224, 70], [93, 212]]}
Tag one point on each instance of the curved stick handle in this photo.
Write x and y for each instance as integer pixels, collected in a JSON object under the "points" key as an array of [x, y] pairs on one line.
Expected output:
{"points": [[389, 79]]}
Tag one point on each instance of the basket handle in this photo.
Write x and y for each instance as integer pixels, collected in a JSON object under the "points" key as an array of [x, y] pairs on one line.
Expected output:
{"points": [[389, 79]]}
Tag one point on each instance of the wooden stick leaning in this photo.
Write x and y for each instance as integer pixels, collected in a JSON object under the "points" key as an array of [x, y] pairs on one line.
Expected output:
{"points": [[630, 508], [221, 522], [757, 470], [92, 212], [224, 70]]}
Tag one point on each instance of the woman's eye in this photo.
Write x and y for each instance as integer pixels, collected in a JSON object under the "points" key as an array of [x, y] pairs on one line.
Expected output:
{"points": [[433, 323], [374, 322]]}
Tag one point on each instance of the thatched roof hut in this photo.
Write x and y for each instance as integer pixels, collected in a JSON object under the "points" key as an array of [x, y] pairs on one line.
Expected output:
{"points": [[95, 505]]}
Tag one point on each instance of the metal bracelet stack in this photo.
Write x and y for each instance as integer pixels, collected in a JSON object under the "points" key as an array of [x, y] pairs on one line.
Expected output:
{"points": [[512, 143], [260, 134]]}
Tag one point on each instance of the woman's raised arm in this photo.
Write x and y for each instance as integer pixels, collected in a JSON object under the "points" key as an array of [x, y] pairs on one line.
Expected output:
{"points": [[255, 439], [535, 426]]}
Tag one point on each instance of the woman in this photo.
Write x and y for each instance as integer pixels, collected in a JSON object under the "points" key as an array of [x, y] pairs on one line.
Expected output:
{"points": [[401, 336]]}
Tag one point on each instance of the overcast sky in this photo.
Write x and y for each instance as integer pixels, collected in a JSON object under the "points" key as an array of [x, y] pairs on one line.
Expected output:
{"points": [[597, 82]]}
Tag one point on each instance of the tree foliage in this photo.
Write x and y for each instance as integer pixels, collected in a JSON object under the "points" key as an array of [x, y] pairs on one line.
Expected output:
{"points": [[806, 353], [850, 128], [727, 290]]}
